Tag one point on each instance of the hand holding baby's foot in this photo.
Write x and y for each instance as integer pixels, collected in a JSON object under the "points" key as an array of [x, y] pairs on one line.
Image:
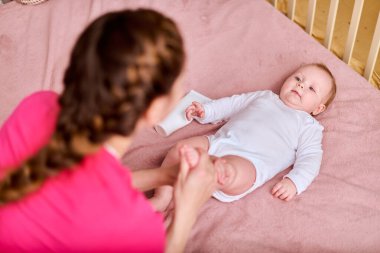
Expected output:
{"points": [[191, 155], [223, 170], [285, 189], [164, 194]]}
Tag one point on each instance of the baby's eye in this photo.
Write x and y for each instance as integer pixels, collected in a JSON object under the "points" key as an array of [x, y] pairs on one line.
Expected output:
{"points": [[297, 79], [312, 89]]}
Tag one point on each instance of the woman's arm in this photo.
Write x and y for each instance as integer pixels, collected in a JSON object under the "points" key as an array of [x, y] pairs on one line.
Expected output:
{"points": [[148, 179], [193, 188]]}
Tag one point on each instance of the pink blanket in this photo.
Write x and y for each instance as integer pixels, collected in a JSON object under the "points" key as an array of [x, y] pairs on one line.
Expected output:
{"points": [[236, 46]]}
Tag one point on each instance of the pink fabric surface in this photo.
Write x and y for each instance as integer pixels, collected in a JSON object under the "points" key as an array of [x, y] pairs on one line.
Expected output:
{"points": [[232, 47], [89, 208]]}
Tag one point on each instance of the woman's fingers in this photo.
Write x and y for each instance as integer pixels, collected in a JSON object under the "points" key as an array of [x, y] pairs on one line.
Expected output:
{"points": [[184, 165], [207, 175], [196, 184]]}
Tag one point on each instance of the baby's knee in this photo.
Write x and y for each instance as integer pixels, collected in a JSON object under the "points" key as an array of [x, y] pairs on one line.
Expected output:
{"points": [[195, 142], [176, 147]]}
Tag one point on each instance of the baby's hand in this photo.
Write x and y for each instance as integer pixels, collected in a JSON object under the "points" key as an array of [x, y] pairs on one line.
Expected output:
{"points": [[285, 189], [194, 110]]}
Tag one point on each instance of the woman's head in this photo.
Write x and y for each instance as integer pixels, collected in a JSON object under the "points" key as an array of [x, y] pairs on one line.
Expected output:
{"points": [[121, 64]]}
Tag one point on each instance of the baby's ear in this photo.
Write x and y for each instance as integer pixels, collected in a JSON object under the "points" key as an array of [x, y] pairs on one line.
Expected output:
{"points": [[318, 110]]}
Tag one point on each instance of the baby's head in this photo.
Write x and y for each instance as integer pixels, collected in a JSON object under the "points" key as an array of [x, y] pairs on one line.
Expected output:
{"points": [[311, 88]]}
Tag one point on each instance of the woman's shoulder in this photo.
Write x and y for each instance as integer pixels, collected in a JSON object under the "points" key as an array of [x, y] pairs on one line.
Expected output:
{"points": [[44, 97], [35, 104], [28, 128]]}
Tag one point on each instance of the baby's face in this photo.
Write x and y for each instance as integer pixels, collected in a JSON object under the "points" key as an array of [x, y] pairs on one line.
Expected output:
{"points": [[307, 89]]}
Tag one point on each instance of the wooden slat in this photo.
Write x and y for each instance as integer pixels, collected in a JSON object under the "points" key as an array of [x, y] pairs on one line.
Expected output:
{"points": [[310, 16], [275, 2], [331, 23], [291, 9], [374, 50], [355, 19]]}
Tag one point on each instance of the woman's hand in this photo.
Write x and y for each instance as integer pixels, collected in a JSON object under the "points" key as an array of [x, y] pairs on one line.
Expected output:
{"points": [[195, 110], [193, 188], [195, 185], [285, 189], [148, 179]]}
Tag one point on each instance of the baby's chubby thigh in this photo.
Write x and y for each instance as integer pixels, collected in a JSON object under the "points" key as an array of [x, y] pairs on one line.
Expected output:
{"points": [[173, 156], [236, 174], [201, 142]]}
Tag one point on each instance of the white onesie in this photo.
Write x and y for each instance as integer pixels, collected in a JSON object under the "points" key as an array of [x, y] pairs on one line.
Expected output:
{"points": [[265, 131]]}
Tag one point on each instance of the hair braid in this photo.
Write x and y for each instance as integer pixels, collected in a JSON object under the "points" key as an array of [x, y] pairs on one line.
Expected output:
{"points": [[119, 65]]}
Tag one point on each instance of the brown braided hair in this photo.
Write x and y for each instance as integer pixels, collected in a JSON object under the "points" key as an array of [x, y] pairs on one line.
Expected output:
{"points": [[119, 65]]}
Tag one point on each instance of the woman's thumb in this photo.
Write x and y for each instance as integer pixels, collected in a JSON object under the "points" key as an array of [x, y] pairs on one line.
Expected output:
{"points": [[184, 166]]}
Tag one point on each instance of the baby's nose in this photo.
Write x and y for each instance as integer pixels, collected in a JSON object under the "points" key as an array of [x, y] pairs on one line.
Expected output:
{"points": [[300, 85]]}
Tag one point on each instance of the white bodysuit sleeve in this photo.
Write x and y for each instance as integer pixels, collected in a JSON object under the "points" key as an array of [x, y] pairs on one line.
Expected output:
{"points": [[223, 108], [308, 157]]}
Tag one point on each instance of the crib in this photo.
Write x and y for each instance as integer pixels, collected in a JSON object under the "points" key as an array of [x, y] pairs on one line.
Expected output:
{"points": [[236, 46], [358, 18]]}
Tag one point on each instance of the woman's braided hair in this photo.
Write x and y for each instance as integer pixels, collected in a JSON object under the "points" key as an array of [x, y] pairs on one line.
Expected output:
{"points": [[119, 65]]}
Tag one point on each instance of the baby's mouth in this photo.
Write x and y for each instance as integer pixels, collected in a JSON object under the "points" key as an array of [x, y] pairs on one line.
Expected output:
{"points": [[296, 92]]}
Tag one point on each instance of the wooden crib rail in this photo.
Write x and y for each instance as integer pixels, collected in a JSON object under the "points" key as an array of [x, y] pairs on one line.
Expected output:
{"points": [[373, 52], [330, 25], [354, 26]]}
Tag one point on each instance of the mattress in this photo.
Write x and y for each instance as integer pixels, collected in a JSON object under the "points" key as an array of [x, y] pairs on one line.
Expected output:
{"points": [[232, 47]]}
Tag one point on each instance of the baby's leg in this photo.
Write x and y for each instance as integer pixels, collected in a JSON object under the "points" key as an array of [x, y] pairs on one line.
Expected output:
{"points": [[163, 194], [235, 175], [191, 155]]}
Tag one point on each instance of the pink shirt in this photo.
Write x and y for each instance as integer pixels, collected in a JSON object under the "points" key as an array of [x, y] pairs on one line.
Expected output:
{"points": [[91, 208]]}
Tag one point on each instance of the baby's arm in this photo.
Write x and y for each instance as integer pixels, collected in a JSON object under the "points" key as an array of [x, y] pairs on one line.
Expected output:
{"points": [[223, 108], [308, 160]]}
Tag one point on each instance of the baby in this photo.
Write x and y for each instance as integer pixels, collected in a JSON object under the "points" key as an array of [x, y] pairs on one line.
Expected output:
{"points": [[265, 133]]}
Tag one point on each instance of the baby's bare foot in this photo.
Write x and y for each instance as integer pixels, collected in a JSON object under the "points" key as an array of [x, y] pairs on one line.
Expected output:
{"points": [[191, 155]]}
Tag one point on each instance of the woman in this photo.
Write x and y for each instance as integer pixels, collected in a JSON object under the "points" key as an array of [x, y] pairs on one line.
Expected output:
{"points": [[62, 186]]}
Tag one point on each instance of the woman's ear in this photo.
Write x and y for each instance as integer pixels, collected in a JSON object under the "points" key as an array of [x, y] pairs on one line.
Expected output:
{"points": [[161, 106], [157, 110]]}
